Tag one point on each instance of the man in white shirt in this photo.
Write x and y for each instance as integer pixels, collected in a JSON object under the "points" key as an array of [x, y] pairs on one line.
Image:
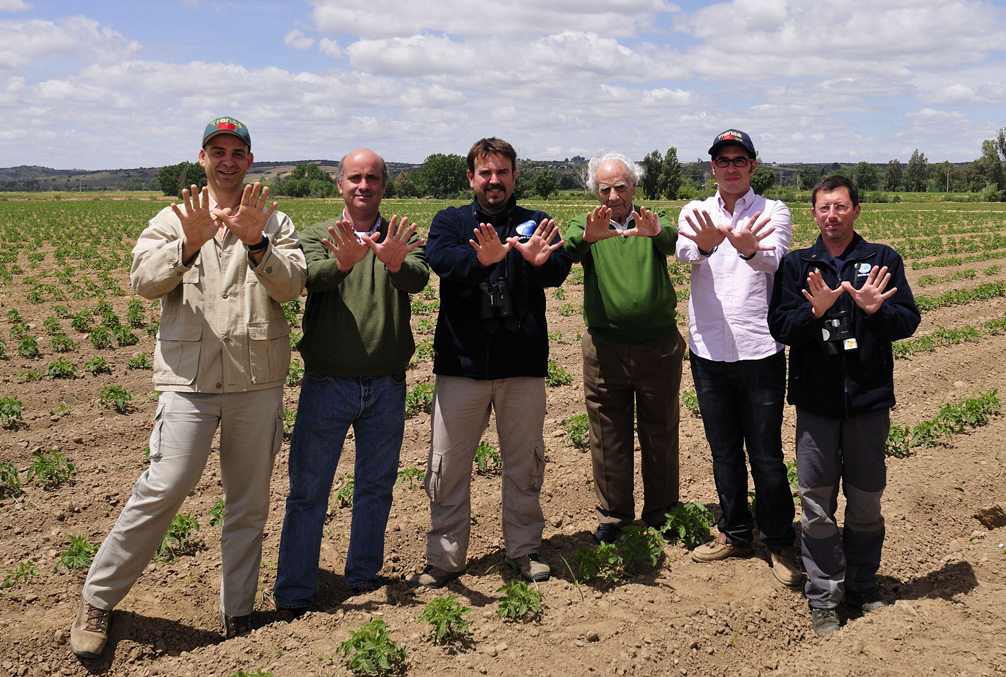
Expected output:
{"points": [[734, 242]]}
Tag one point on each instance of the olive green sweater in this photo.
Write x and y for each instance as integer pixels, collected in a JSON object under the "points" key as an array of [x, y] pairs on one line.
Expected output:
{"points": [[627, 295], [357, 323]]}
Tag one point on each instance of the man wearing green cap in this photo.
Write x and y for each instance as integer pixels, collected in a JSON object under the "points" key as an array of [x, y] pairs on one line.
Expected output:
{"points": [[220, 265]]}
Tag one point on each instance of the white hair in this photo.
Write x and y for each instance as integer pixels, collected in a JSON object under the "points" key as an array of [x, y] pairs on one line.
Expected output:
{"points": [[633, 169]]}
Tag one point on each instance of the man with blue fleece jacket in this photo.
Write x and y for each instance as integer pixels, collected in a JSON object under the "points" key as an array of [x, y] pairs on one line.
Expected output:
{"points": [[494, 260], [839, 304]]}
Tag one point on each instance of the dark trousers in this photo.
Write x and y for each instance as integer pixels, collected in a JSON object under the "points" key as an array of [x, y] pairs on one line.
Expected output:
{"points": [[741, 404], [616, 378], [829, 450]]}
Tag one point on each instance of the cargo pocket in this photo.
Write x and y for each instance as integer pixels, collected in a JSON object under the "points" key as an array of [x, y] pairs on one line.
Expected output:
{"points": [[269, 351], [277, 437], [155, 433], [433, 478], [536, 470]]}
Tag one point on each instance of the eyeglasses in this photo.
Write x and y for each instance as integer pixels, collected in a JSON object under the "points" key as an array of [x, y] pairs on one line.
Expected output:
{"points": [[839, 209], [741, 161]]}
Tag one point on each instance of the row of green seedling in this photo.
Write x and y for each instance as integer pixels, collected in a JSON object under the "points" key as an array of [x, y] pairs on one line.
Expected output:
{"points": [[941, 337], [952, 419]]}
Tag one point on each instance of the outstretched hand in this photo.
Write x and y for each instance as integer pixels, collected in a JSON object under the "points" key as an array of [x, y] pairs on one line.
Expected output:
{"points": [[872, 295], [747, 239], [393, 249], [598, 226], [540, 246], [488, 246], [705, 234], [198, 226], [343, 244], [647, 224], [249, 219], [821, 296]]}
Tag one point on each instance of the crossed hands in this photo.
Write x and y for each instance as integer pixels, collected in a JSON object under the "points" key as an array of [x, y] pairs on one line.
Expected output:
{"points": [[199, 224], [747, 239], [599, 224], [870, 297], [535, 251], [391, 251]]}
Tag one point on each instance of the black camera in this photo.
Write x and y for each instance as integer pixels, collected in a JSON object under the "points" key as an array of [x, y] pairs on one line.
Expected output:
{"points": [[836, 333]]}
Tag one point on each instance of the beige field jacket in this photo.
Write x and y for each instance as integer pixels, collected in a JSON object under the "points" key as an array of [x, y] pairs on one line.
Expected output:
{"points": [[222, 328]]}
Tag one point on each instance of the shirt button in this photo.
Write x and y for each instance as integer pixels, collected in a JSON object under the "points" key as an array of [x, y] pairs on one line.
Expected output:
{"points": [[224, 294], [219, 386], [268, 271]]}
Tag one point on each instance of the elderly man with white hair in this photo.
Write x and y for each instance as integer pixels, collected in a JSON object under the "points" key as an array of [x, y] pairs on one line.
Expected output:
{"points": [[632, 350]]}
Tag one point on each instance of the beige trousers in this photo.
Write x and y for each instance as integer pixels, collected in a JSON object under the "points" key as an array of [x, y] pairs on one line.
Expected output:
{"points": [[460, 415], [251, 430]]}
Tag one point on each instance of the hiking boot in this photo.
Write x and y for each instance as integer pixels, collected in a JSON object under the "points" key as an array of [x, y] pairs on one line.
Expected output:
{"points": [[530, 567], [825, 621], [434, 577], [90, 630], [607, 532], [719, 549], [786, 567], [865, 600], [236, 626], [290, 615]]}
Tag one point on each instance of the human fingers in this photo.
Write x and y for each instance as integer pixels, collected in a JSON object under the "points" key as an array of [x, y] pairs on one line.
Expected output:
{"points": [[329, 245], [706, 219]]}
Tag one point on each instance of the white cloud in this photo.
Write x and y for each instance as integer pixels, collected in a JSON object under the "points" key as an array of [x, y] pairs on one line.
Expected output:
{"points": [[330, 48], [297, 40], [766, 38], [78, 37], [14, 6], [520, 19]]}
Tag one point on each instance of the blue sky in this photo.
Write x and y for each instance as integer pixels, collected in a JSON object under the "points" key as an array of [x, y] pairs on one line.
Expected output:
{"points": [[104, 85]]}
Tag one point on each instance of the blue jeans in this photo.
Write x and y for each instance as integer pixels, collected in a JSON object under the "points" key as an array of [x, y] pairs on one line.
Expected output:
{"points": [[375, 407], [741, 404]]}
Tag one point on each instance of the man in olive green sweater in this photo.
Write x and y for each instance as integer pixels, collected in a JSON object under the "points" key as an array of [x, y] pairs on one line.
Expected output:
{"points": [[357, 344], [632, 350]]}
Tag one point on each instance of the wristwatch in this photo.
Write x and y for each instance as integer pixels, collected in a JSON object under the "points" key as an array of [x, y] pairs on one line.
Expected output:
{"points": [[262, 244]]}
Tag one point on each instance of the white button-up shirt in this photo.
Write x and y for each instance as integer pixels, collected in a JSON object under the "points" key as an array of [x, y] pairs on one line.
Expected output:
{"points": [[728, 305]]}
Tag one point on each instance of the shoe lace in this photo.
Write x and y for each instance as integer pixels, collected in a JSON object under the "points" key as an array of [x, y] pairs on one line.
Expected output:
{"points": [[97, 619]]}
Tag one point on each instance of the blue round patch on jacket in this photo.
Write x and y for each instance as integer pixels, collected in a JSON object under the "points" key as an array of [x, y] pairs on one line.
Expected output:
{"points": [[526, 230]]}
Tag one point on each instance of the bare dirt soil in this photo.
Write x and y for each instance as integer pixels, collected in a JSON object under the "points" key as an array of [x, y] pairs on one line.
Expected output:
{"points": [[944, 571]]}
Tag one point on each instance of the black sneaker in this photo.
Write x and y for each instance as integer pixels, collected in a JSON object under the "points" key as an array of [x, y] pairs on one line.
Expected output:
{"points": [[825, 621], [865, 600], [607, 533], [236, 626]]}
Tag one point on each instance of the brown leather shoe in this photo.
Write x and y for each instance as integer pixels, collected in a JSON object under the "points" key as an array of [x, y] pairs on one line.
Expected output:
{"points": [[786, 567], [718, 549]]}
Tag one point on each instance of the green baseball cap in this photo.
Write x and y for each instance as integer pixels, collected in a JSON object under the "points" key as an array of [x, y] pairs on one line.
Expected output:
{"points": [[227, 125]]}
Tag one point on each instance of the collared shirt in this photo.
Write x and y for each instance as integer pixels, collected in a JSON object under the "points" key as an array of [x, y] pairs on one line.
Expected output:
{"points": [[728, 305], [630, 221], [373, 228]]}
